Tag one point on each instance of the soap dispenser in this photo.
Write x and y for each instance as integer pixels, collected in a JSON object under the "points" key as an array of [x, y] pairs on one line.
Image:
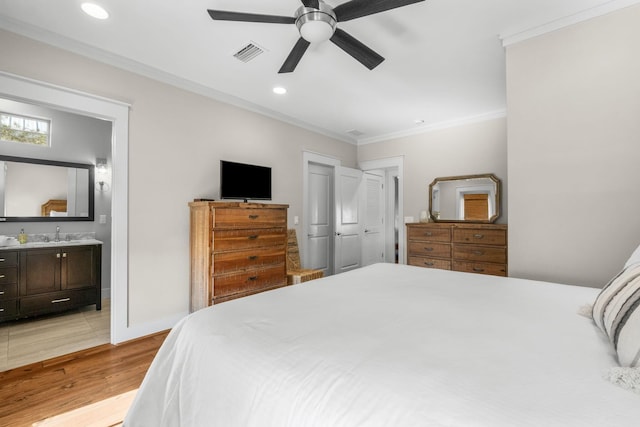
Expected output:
{"points": [[22, 238]]}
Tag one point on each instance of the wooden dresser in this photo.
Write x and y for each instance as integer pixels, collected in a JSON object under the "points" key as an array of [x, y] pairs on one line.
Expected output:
{"points": [[474, 248], [237, 249]]}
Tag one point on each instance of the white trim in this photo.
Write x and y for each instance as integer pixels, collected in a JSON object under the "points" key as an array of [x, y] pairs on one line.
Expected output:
{"points": [[612, 6], [34, 91], [436, 126], [123, 63], [393, 162]]}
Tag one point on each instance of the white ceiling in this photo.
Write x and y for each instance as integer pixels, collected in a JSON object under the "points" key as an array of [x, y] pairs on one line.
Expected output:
{"points": [[444, 58]]}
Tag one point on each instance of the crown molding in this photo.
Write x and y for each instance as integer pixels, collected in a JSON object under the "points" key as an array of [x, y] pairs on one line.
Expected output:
{"points": [[108, 58], [612, 6], [491, 115]]}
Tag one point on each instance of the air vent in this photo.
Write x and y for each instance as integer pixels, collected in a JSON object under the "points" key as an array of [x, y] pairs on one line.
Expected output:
{"points": [[355, 132], [248, 52]]}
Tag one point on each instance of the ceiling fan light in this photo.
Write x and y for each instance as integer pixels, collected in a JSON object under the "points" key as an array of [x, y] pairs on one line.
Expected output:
{"points": [[316, 31], [316, 25]]}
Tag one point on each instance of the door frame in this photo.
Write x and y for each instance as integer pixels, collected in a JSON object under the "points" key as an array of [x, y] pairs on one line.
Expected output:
{"points": [[39, 92], [388, 163]]}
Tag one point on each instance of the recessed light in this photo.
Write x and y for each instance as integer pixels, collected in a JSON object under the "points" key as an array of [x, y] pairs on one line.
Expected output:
{"points": [[94, 10], [279, 90]]}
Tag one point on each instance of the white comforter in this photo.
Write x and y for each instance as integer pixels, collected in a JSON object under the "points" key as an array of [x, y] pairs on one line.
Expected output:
{"points": [[389, 345]]}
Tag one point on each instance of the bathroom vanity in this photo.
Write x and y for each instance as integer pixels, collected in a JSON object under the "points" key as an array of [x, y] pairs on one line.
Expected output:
{"points": [[46, 277]]}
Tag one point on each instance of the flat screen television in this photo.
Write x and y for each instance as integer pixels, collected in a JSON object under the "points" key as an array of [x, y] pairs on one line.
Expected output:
{"points": [[244, 181]]}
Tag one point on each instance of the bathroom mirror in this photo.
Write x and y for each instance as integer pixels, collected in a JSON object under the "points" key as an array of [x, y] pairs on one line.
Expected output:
{"points": [[467, 198], [44, 190]]}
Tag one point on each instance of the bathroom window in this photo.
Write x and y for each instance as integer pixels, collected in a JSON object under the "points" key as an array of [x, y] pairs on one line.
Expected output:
{"points": [[24, 129]]}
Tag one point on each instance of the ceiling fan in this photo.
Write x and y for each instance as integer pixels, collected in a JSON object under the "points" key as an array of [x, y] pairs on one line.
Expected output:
{"points": [[317, 22]]}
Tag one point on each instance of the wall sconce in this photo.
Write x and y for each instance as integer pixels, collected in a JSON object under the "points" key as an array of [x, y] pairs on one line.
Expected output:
{"points": [[102, 175]]}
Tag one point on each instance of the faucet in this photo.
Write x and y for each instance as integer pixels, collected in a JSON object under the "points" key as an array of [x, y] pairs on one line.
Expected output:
{"points": [[57, 238]]}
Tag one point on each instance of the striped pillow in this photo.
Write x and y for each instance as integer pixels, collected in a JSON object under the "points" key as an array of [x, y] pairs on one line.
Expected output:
{"points": [[616, 312]]}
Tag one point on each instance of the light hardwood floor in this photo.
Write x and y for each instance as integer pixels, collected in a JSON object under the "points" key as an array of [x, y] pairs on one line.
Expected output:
{"points": [[41, 390], [31, 340]]}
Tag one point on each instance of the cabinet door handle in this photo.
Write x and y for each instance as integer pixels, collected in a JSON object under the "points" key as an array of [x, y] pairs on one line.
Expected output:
{"points": [[57, 255], [1, 292], [254, 216], [56, 301], [1, 259], [64, 255], [478, 236], [2, 276], [1, 310]]}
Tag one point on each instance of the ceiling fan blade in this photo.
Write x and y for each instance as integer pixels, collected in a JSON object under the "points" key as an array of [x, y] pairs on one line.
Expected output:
{"points": [[294, 56], [223, 15], [353, 47], [311, 3], [358, 8]]}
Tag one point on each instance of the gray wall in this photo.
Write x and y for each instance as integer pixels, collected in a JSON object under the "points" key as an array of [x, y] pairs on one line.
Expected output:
{"points": [[574, 146], [74, 138]]}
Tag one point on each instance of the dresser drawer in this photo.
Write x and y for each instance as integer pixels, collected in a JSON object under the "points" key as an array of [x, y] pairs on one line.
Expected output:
{"points": [[480, 236], [8, 308], [8, 259], [226, 262], [442, 264], [249, 218], [57, 301], [480, 253], [249, 281], [481, 268], [240, 240], [8, 291], [8, 275], [432, 234], [429, 249]]}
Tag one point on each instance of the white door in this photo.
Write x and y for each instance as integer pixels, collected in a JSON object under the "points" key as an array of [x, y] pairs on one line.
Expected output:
{"points": [[319, 233], [373, 244], [349, 212]]}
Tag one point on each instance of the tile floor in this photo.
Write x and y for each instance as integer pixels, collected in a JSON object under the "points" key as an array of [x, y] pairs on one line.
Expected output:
{"points": [[32, 340]]}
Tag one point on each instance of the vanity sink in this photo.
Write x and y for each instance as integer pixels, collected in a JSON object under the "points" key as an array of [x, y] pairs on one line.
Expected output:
{"points": [[53, 243]]}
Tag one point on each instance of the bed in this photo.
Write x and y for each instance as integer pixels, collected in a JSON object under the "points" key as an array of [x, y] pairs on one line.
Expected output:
{"points": [[390, 345]]}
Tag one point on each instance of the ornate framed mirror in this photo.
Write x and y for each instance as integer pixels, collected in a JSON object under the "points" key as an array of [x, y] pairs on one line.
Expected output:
{"points": [[36, 190], [466, 198]]}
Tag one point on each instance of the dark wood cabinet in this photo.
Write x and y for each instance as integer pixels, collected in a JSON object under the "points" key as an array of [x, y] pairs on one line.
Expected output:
{"points": [[46, 280]]}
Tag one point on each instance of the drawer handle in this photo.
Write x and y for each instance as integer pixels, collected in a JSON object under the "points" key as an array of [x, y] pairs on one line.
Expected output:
{"points": [[429, 264], [253, 278], [1, 292], [2, 276], [1, 310], [428, 249], [254, 216], [478, 253], [1, 259], [56, 301], [428, 233], [253, 237], [478, 236], [478, 269], [253, 257]]}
